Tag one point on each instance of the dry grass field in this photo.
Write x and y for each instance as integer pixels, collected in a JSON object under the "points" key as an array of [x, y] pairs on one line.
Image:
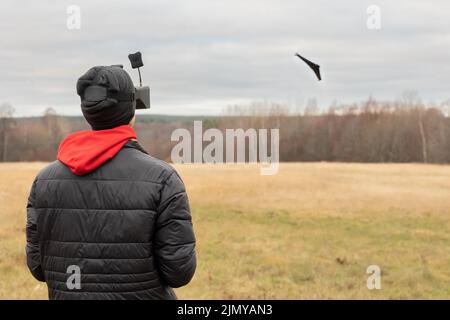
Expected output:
{"points": [[308, 232]]}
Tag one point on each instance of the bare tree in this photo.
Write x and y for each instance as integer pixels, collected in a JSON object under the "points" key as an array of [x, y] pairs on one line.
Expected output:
{"points": [[6, 113], [311, 107], [411, 99], [423, 138]]}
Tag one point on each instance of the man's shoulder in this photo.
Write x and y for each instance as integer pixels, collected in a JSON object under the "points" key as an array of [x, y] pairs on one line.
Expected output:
{"points": [[52, 171], [128, 165], [138, 165]]}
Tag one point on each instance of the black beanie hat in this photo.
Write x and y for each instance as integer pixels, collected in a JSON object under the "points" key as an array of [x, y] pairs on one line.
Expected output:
{"points": [[116, 106]]}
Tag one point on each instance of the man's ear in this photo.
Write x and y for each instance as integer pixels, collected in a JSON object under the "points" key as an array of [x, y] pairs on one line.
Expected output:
{"points": [[133, 121]]}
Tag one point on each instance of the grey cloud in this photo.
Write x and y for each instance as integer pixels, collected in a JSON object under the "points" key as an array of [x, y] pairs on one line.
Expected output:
{"points": [[203, 55]]}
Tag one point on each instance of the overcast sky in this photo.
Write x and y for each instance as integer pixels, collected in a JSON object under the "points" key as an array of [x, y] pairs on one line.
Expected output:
{"points": [[201, 56]]}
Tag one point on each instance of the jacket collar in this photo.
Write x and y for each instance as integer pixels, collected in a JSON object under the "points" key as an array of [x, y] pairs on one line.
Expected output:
{"points": [[135, 145]]}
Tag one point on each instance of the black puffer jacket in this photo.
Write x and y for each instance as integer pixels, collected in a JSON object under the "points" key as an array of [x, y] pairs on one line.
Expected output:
{"points": [[126, 225]]}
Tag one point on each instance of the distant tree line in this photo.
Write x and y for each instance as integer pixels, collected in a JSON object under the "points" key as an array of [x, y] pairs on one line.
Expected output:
{"points": [[404, 131]]}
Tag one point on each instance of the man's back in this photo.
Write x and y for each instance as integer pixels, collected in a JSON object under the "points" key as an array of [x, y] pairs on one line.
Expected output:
{"points": [[126, 226]]}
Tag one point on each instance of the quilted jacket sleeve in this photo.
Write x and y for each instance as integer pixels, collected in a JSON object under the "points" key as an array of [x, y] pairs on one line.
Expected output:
{"points": [[174, 237], [32, 247]]}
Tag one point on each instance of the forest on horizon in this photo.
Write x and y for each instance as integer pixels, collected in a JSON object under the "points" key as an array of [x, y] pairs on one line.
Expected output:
{"points": [[404, 131]]}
